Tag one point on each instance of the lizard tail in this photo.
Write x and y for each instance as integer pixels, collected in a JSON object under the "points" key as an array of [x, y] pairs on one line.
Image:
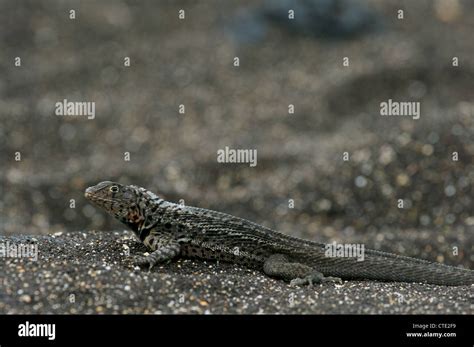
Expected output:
{"points": [[390, 267]]}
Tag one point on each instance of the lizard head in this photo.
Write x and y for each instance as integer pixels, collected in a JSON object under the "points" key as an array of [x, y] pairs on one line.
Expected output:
{"points": [[126, 203]]}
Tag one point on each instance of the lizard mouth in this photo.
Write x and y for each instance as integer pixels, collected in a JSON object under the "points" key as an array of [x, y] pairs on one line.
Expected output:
{"points": [[92, 196], [89, 193], [98, 200]]}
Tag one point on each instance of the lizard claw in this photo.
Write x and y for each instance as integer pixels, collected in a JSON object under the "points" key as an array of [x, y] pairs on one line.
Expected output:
{"points": [[332, 279], [144, 261], [301, 282], [314, 278], [140, 260], [149, 260]]}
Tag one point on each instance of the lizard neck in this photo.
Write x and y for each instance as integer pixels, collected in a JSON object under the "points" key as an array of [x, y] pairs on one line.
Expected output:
{"points": [[151, 215]]}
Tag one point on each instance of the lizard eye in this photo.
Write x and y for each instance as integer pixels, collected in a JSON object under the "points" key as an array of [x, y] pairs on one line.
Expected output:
{"points": [[114, 189]]}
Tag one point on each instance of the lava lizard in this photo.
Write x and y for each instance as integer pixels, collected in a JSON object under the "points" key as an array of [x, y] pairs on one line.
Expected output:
{"points": [[173, 230]]}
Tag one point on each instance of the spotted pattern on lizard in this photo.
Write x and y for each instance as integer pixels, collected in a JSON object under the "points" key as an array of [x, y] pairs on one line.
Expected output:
{"points": [[172, 230]]}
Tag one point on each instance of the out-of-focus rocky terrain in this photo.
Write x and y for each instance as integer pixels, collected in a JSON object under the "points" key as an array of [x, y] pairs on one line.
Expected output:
{"points": [[300, 155]]}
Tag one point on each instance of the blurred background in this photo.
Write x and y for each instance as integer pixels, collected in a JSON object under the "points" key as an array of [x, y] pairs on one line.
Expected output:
{"points": [[282, 62]]}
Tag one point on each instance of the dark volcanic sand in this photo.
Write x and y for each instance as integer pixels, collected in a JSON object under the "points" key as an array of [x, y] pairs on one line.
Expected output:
{"points": [[299, 156], [92, 267]]}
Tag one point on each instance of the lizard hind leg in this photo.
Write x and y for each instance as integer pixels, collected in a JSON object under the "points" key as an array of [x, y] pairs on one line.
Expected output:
{"points": [[279, 266]]}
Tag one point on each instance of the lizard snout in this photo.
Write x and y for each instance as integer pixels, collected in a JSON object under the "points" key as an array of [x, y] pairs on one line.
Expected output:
{"points": [[89, 192]]}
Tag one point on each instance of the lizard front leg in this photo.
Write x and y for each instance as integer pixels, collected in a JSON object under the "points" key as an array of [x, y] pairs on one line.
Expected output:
{"points": [[279, 266], [164, 247]]}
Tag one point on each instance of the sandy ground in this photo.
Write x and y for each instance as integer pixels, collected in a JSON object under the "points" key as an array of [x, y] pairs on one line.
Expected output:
{"points": [[90, 272], [299, 155]]}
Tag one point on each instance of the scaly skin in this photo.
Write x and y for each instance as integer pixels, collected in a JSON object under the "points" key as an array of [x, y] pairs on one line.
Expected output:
{"points": [[171, 230]]}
